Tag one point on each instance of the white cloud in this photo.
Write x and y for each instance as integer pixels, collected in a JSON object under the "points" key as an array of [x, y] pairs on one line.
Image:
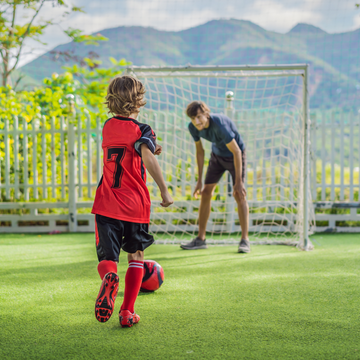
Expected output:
{"points": [[357, 21], [278, 17], [142, 13]]}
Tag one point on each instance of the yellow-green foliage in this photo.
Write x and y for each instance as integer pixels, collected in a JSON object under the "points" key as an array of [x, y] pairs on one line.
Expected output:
{"points": [[336, 169], [76, 96]]}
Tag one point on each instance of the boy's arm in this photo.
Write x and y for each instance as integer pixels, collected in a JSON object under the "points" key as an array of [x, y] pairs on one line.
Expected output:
{"points": [[154, 169], [238, 186], [200, 157]]}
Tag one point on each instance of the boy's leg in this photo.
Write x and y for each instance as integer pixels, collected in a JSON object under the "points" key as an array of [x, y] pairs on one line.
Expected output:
{"points": [[105, 301], [136, 240], [106, 266], [133, 280], [108, 234]]}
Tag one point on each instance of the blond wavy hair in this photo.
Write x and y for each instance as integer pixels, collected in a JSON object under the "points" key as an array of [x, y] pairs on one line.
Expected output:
{"points": [[125, 95]]}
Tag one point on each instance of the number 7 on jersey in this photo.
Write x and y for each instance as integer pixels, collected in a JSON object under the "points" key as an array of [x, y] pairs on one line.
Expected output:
{"points": [[116, 154]]}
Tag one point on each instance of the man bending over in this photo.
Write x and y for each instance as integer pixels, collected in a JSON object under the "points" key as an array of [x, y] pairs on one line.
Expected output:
{"points": [[228, 153]]}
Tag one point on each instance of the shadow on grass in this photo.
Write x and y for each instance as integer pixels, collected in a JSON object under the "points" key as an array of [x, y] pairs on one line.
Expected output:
{"points": [[82, 269]]}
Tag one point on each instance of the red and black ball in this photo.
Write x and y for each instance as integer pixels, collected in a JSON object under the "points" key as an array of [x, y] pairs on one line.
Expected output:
{"points": [[153, 276]]}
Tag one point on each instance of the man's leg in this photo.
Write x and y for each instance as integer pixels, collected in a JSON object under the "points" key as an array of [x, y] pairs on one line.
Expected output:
{"points": [[243, 212], [204, 213], [243, 209], [205, 208], [213, 174]]}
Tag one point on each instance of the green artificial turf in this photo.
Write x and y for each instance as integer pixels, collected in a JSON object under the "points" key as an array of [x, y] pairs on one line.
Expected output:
{"points": [[275, 303]]}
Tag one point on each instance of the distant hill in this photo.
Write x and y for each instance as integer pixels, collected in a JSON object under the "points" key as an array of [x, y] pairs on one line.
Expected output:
{"points": [[307, 30], [334, 58]]}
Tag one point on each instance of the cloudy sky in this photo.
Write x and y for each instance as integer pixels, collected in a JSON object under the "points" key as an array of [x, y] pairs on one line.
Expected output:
{"points": [[333, 16]]}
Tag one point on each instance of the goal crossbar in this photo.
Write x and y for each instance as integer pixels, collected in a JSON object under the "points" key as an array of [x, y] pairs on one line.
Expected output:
{"points": [[168, 74], [278, 67]]}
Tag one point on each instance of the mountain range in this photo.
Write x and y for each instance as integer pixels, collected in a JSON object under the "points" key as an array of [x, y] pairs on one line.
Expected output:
{"points": [[334, 58]]}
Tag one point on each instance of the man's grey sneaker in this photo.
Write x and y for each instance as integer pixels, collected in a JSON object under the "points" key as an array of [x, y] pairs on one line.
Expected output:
{"points": [[244, 246], [194, 244]]}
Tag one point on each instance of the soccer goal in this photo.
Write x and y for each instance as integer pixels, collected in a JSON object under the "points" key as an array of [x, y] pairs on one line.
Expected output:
{"points": [[269, 106]]}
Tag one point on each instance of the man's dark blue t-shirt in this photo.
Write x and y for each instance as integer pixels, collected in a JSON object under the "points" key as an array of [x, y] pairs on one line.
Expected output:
{"points": [[220, 132]]}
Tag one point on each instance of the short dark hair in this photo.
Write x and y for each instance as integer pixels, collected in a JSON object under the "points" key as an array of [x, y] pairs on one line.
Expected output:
{"points": [[125, 94], [193, 107]]}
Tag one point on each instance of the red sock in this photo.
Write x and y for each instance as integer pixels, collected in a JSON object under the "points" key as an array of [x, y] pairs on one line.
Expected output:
{"points": [[133, 280], [106, 266]]}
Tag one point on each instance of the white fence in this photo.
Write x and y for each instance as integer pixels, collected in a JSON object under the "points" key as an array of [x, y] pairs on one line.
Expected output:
{"points": [[49, 171]]}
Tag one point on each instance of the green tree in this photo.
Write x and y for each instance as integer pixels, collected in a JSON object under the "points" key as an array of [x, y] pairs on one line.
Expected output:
{"points": [[76, 96], [16, 31]]}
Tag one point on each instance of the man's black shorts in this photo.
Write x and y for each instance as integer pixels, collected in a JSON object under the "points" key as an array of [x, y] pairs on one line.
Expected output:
{"points": [[112, 235], [219, 164]]}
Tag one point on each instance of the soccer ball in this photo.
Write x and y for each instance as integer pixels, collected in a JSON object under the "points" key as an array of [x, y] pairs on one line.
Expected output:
{"points": [[153, 276]]}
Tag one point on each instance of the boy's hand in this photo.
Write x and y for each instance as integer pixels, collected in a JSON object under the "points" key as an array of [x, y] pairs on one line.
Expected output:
{"points": [[197, 190], [158, 149], [167, 199], [239, 191]]}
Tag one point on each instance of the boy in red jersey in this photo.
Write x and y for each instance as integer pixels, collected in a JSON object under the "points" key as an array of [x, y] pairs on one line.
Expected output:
{"points": [[122, 200]]}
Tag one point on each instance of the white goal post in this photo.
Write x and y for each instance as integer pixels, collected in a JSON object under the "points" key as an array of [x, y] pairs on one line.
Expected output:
{"points": [[269, 104]]}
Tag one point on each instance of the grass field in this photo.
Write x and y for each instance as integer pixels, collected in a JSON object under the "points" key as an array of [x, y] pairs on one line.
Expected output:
{"points": [[274, 303]]}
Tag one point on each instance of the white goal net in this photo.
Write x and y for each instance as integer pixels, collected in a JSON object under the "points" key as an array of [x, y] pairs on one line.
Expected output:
{"points": [[270, 110]]}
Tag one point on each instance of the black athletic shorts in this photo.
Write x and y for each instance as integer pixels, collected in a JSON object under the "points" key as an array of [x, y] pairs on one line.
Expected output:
{"points": [[219, 164], [112, 235]]}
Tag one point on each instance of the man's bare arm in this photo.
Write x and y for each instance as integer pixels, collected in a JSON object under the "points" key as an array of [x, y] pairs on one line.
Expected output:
{"points": [[234, 148], [238, 186], [200, 157]]}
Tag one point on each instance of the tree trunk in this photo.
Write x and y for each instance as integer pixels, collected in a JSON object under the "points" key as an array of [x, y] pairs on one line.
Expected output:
{"points": [[5, 77], [5, 74]]}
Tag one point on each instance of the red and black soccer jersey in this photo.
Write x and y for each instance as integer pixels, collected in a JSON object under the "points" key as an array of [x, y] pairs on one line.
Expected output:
{"points": [[122, 193]]}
